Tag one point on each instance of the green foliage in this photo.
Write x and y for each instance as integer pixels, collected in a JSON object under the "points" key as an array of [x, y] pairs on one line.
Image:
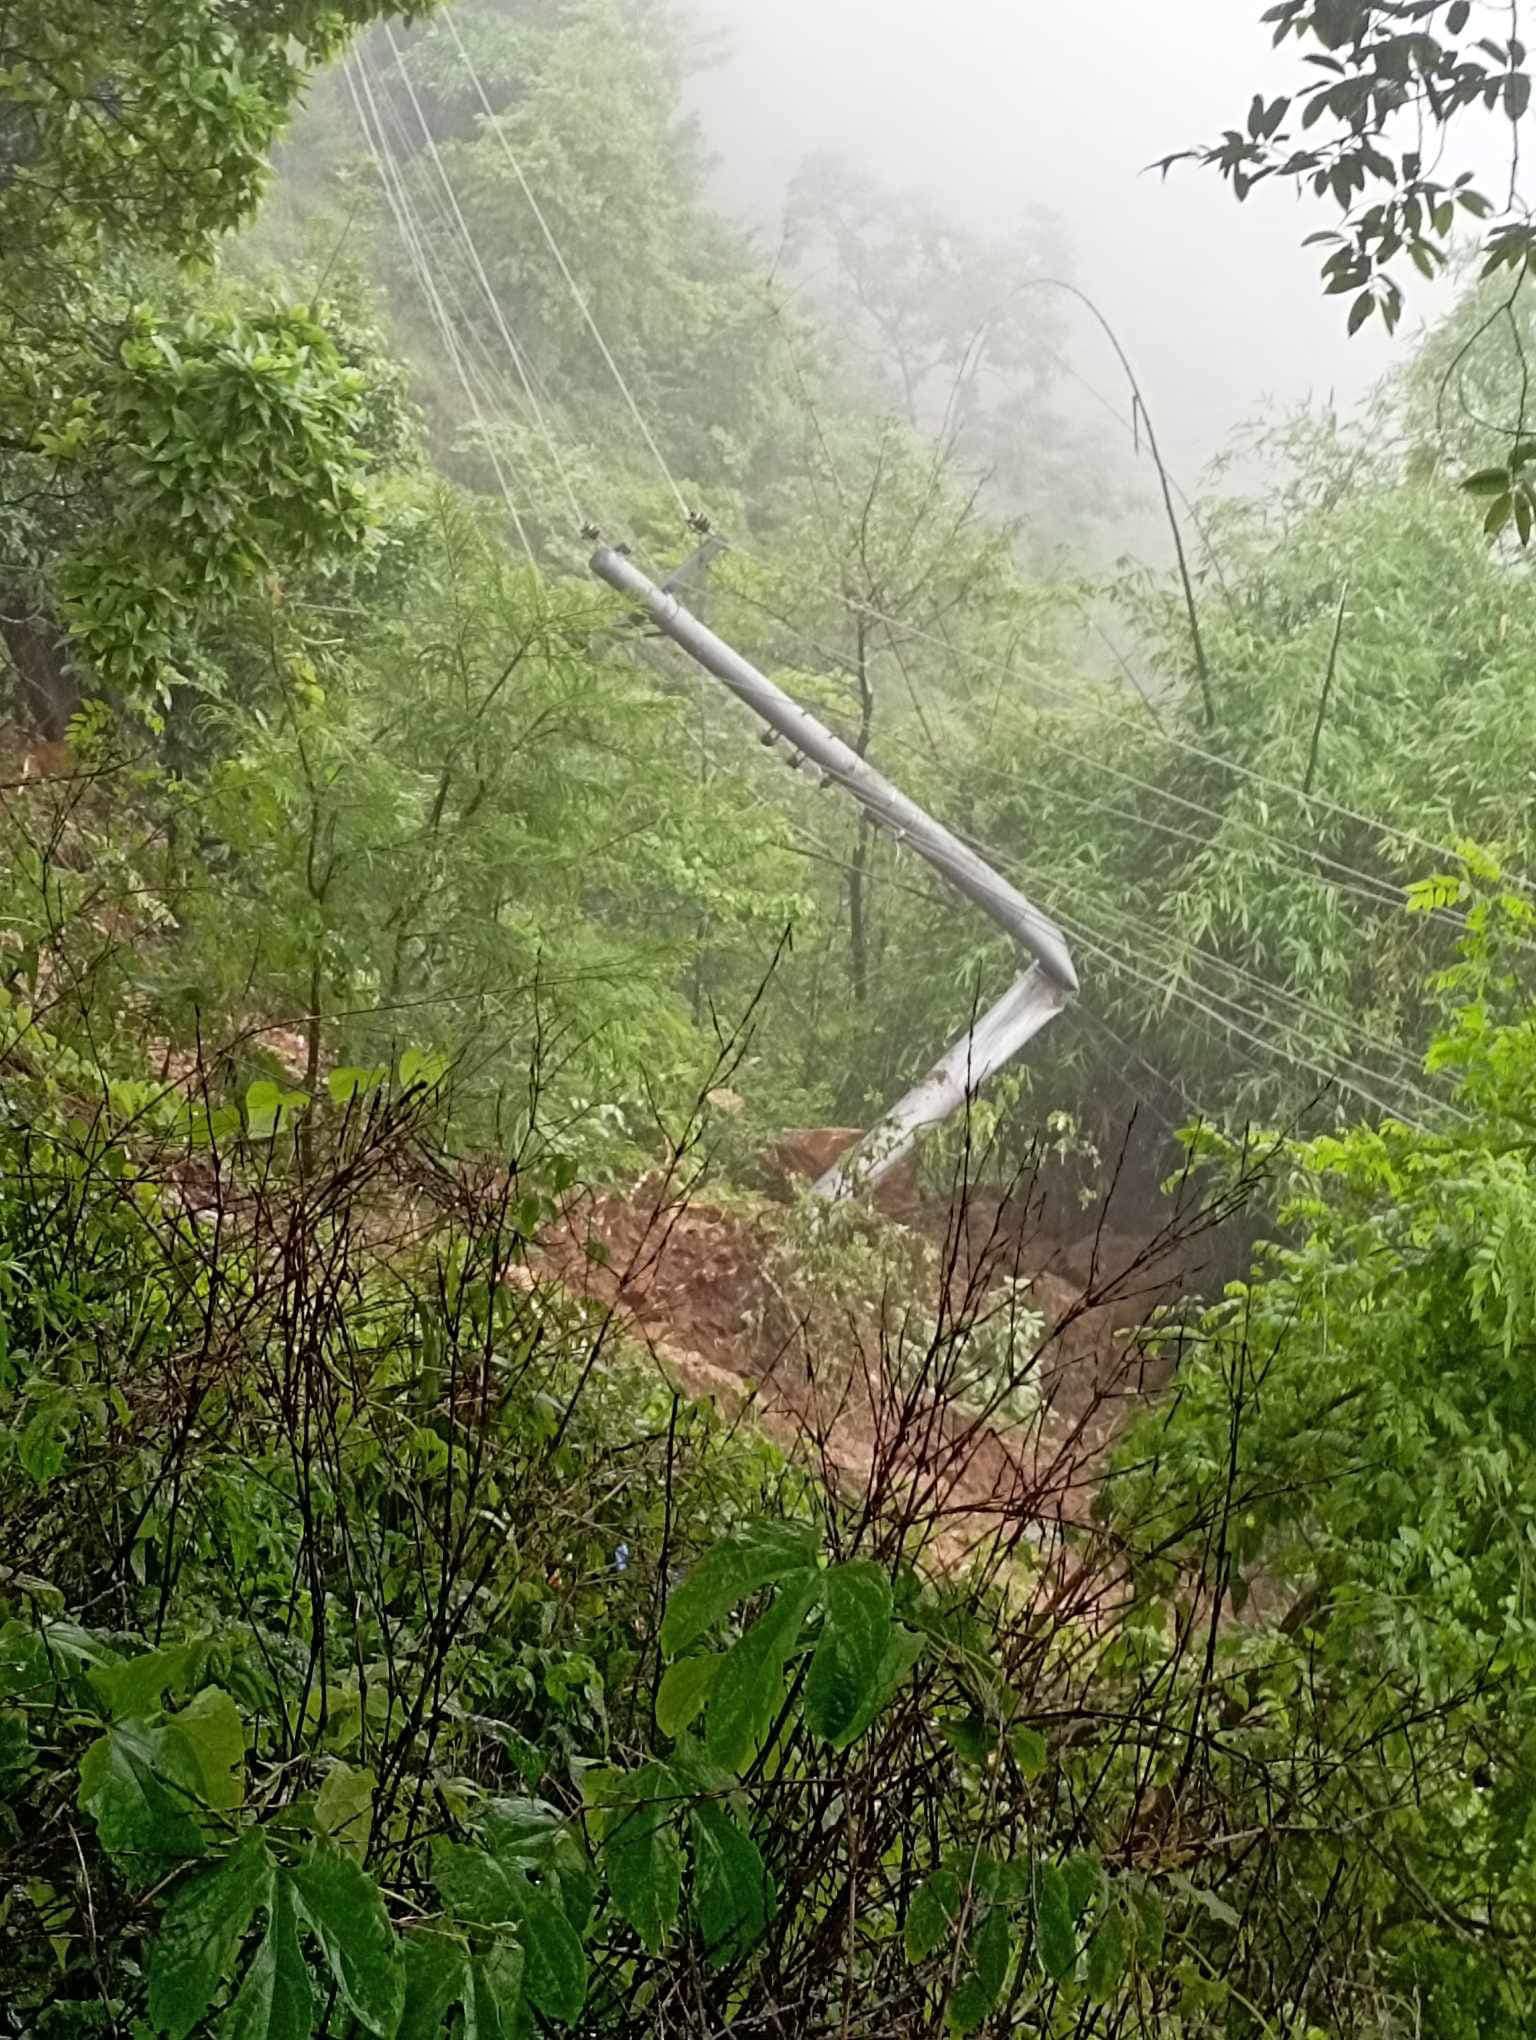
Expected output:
{"points": [[1379, 1483], [223, 448], [1338, 136], [641, 1852], [756, 1556], [842, 1686], [384, 1648], [148, 122]]}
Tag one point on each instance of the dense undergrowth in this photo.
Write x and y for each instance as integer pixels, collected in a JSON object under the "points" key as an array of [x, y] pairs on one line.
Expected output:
{"points": [[387, 1645]]}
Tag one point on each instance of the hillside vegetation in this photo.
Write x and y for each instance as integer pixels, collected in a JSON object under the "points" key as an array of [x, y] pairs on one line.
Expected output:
{"points": [[482, 1551]]}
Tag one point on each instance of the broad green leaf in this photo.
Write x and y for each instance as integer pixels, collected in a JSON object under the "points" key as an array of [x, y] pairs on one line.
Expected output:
{"points": [[1487, 482], [641, 1852], [732, 1891], [495, 2008], [749, 1689], [934, 1914], [753, 1557], [263, 1108], [138, 1685], [437, 1977], [984, 1970], [422, 1068], [276, 2000], [27, 1672], [1055, 1934], [474, 1886], [684, 1689], [555, 1963], [213, 1734], [843, 1684], [344, 1808], [140, 1796], [343, 1908], [195, 1951], [517, 1825], [1106, 1956], [1029, 1751], [969, 1735], [1085, 1881], [345, 1085], [478, 1889], [902, 1652]]}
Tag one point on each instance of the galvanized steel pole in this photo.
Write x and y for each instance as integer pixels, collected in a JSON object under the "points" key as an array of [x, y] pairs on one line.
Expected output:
{"points": [[1030, 1002]]}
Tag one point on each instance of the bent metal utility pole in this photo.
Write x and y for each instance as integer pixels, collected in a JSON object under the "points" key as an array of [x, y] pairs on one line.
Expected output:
{"points": [[1047, 980]]}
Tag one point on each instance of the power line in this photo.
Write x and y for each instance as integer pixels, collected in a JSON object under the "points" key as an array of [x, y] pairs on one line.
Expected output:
{"points": [[1382, 893], [1117, 955], [405, 226], [582, 306], [1334, 1018], [1174, 945], [1208, 1017], [1378, 894], [1382, 890], [489, 379], [491, 298], [1180, 744]]}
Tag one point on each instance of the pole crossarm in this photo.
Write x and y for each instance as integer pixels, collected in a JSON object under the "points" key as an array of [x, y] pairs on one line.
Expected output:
{"points": [[1035, 998]]}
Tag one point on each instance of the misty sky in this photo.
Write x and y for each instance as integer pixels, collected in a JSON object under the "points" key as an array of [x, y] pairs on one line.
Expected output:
{"points": [[1002, 105]]}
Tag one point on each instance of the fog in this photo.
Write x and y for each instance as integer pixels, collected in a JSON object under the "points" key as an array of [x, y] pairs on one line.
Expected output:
{"points": [[1005, 105]]}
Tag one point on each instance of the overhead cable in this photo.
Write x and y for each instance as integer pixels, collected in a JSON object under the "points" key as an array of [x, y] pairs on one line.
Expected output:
{"points": [[497, 128]]}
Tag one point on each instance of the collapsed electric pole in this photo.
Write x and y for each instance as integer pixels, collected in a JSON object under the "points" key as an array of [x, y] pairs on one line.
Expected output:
{"points": [[1047, 980]]}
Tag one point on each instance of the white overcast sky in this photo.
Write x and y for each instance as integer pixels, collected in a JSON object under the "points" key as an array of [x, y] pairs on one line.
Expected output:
{"points": [[1001, 105]]}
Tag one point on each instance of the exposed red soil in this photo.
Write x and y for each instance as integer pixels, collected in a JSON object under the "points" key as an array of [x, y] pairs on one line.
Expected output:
{"points": [[693, 1281]]}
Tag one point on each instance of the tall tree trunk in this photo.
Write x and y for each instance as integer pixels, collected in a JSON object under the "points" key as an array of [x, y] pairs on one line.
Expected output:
{"points": [[47, 693]]}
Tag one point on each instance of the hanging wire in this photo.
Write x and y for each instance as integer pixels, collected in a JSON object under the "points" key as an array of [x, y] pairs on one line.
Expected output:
{"points": [[1047, 881], [1201, 752], [1216, 1025], [1106, 948], [491, 377], [422, 271], [1381, 893], [1176, 947], [492, 300], [1377, 891], [1170, 943], [496, 127]]}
